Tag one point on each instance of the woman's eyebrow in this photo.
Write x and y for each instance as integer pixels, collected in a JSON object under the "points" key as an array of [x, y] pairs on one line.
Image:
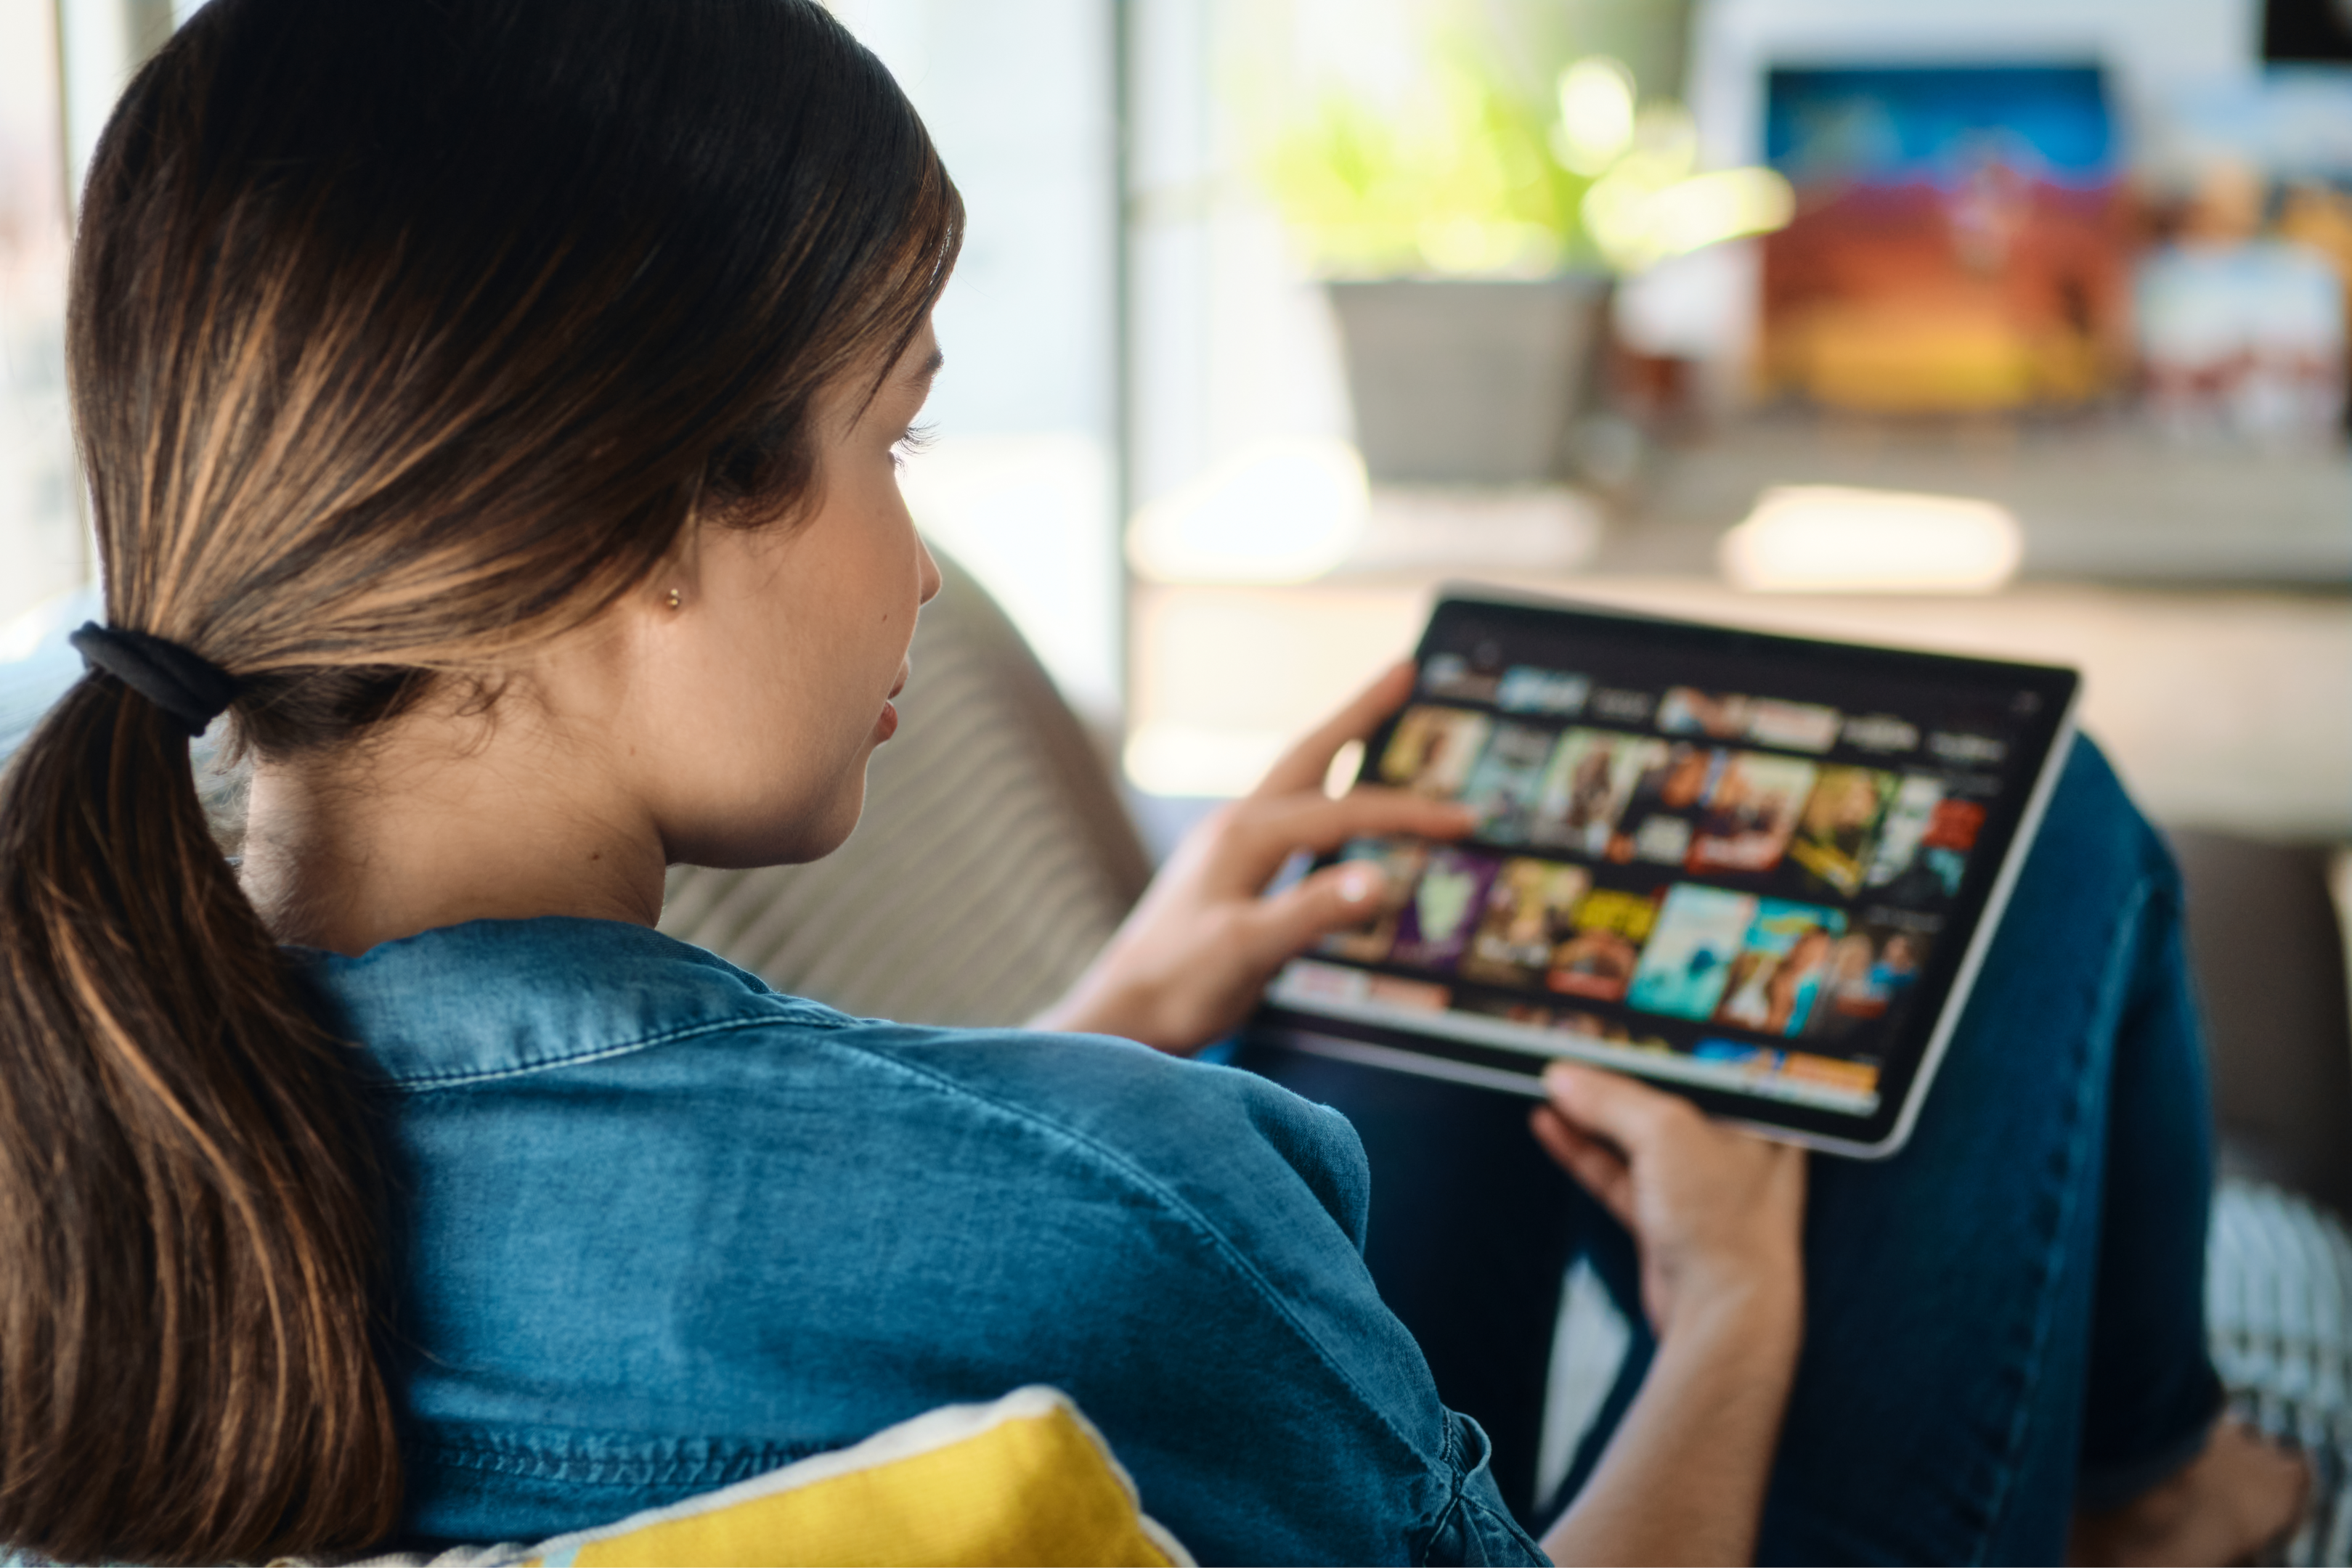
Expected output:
{"points": [[930, 367]]}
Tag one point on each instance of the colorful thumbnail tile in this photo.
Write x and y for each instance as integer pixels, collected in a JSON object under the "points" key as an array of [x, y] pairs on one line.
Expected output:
{"points": [[1840, 826], [1782, 968], [1683, 971], [1527, 915], [1873, 971], [1444, 910], [1751, 807], [1504, 782], [1764, 1064], [1792, 726], [1591, 777], [1432, 749], [1526, 689], [1924, 842], [1604, 944], [1452, 675], [1660, 814], [1718, 716]]}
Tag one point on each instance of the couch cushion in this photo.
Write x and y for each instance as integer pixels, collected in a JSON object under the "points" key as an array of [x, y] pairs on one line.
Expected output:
{"points": [[1024, 1479]]}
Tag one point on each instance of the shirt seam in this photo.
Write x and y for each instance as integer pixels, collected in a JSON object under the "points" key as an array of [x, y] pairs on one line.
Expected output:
{"points": [[424, 1083], [731, 1459]]}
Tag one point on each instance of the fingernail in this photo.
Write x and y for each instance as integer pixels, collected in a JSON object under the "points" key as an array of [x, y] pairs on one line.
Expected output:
{"points": [[1559, 1075], [1357, 883]]}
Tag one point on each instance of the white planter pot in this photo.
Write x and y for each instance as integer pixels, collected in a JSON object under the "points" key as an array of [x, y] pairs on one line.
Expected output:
{"points": [[1460, 382]]}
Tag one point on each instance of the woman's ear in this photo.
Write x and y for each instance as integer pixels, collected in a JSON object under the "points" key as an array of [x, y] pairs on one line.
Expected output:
{"points": [[676, 585]]}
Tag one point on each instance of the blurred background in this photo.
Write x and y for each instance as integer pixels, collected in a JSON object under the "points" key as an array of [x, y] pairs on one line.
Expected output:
{"points": [[2013, 325], [2016, 325]]}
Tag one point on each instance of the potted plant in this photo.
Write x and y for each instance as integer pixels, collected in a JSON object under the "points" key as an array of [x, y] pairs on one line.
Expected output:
{"points": [[1469, 235]]}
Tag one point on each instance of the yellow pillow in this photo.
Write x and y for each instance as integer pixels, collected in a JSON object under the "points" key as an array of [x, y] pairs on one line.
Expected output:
{"points": [[1026, 1479]]}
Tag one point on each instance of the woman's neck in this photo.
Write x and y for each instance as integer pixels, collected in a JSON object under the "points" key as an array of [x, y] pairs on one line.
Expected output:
{"points": [[440, 819]]}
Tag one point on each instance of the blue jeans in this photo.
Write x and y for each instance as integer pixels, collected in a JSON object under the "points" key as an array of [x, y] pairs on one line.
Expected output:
{"points": [[2004, 1320]]}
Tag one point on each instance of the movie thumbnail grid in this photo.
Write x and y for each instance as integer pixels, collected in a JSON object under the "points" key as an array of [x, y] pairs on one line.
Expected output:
{"points": [[1895, 828], [1837, 870], [1542, 943]]}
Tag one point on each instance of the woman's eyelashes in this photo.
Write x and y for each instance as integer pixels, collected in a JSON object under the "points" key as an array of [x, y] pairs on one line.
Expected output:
{"points": [[912, 442]]}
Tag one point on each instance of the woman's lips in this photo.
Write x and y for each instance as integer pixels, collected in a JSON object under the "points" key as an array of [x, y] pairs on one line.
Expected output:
{"points": [[888, 725]]}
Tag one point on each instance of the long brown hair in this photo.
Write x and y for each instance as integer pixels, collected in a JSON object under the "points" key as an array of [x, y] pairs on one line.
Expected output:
{"points": [[403, 335]]}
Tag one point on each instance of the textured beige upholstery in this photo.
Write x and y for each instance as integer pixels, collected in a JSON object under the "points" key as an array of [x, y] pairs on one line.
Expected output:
{"points": [[994, 858]]}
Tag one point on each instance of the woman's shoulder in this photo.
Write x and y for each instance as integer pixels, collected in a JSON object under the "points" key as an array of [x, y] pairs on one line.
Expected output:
{"points": [[493, 1003]]}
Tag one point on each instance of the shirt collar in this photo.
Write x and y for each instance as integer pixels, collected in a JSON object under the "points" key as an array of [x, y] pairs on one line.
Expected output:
{"points": [[493, 998]]}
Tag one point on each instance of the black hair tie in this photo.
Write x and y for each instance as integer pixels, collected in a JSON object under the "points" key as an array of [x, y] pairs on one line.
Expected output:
{"points": [[185, 684]]}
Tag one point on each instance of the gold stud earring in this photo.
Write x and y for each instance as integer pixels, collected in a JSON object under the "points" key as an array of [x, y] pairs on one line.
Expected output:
{"points": [[676, 599]]}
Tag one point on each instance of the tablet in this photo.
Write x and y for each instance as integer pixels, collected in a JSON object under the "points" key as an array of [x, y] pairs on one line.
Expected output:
{"points": [[1759, 869]]}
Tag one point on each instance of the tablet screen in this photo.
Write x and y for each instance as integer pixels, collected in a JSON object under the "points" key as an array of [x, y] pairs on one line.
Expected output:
{"points": [[1749, 866]]}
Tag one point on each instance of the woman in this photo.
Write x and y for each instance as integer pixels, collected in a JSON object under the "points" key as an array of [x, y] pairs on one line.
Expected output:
{"points": [[491, 409]]}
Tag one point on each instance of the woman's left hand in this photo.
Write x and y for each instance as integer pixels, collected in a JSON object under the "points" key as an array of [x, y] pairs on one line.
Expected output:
{"points": [[1188, 964]]}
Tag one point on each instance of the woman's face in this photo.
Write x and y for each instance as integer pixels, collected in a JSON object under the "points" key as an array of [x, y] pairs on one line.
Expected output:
{"points": [[752, 705]]}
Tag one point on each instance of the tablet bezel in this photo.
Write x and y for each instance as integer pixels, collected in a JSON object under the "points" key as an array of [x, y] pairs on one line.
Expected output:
{"points": [[2012, 819]]}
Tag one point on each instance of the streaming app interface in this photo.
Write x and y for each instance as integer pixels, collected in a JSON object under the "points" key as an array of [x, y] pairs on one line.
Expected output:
{"points": [[1716, 868]]}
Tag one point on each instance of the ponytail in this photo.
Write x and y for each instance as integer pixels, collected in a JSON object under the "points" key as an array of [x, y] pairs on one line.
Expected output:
{"points": [[190, 1211], [401, 337]]}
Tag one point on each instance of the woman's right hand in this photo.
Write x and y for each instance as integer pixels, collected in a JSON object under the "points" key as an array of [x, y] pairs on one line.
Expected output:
{"points": [[1716, 1213]]}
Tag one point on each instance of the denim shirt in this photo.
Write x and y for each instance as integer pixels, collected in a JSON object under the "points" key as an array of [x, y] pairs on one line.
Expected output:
{"points": [[661, 1228]]}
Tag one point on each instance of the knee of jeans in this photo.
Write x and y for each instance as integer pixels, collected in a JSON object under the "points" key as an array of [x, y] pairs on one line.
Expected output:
{"points": [[2091, 806]]}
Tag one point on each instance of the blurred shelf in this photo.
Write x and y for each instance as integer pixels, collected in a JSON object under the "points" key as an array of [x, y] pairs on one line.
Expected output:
{"points": [[1424, 528], [2101, 500]]}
